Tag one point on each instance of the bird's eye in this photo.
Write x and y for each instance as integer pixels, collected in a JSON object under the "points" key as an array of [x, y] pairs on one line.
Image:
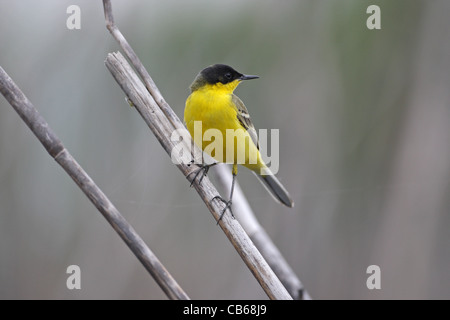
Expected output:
{"points": [[228, 75]]}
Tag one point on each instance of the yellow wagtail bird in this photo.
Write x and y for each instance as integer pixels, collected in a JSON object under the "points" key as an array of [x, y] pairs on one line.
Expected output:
{"points": [[213, 104]]}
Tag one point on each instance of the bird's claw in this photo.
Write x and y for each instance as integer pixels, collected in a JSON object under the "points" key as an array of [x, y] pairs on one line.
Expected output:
{"points": [[227, 206], [203, 169]]}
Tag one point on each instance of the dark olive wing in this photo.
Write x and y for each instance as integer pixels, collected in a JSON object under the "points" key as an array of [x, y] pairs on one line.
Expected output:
{"points": [[244, 119]]}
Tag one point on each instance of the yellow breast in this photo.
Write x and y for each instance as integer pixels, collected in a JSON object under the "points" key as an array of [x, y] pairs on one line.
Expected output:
{"points": [[212, 105]]}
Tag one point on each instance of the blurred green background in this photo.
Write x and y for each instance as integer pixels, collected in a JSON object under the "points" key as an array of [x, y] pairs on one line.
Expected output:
{"points": [[364, 119]]}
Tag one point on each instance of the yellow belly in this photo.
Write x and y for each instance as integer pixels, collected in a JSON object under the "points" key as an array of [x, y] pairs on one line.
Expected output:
{"points": [[215, 111]]}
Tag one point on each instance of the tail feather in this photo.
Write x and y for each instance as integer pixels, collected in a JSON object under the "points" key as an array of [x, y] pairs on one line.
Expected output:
{"points": [[276, 189]]}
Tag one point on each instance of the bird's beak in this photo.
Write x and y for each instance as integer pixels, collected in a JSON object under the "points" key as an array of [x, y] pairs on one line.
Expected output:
{"points": [[247, 77]]}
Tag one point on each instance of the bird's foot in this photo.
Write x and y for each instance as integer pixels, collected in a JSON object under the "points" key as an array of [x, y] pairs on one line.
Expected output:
{"points": [[202, 170], [227, 206]]}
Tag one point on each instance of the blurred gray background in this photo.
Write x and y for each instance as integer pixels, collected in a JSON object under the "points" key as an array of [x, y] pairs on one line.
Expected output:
{"points": [[364, 119]]}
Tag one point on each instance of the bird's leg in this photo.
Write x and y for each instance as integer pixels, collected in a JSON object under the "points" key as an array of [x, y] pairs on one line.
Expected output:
{"points": [[229, 202], [203, 169]]}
